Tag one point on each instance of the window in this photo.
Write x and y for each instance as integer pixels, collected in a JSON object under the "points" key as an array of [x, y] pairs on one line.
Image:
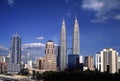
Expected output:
{"points": [[99, 59]]}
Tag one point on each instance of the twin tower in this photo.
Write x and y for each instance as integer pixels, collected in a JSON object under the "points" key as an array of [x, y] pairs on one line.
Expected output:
{"points": [[63, 43]]}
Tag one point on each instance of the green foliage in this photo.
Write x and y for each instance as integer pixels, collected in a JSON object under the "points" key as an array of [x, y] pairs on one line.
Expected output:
{"points": [[76, 76], [34, 74], [80, 76], [24, 72], [38, 76]]}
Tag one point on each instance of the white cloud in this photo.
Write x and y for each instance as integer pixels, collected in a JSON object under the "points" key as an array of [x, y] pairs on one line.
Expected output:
{"points": [[101, 19], [104, 9], [67, 1], [33, 45], [68, 14], [11, 2], [93, 5], [40, 38], [3, 50], [117, 16], [35, 49]]}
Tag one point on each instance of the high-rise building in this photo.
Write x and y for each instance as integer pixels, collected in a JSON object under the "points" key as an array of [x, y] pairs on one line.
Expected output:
{"points": [[15, 53], [50, 63], [16, 49], [108, 59], [89, 62], [76, 38], [98, 61], [119, 64], [58, 57], [73, 61], [63, 51], [39, 63]]}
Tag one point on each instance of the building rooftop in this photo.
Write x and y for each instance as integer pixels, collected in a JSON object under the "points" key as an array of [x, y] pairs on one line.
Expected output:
{"points": [[50, 41]]}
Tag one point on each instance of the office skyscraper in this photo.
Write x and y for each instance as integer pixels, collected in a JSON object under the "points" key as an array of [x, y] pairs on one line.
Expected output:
{"points": [[16, 49], [63, 51], [76, 38], [50, 63], [73, 61], [15, 53]]}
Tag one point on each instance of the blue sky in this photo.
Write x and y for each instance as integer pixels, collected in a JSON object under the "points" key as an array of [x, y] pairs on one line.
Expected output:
{"points": [[37, 21]]}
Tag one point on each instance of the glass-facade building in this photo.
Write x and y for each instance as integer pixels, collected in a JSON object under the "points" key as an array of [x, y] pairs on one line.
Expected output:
{"points": [[15, 53], [73, 61]]}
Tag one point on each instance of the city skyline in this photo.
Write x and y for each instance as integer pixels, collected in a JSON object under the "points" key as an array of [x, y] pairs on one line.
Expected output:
{"points": [[38, 21]]}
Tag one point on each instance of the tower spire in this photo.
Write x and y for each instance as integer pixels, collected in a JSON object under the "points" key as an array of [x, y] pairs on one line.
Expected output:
{"points": [[63, 21], [16, 33], [76, 36], [76, 18], [63, 51]]}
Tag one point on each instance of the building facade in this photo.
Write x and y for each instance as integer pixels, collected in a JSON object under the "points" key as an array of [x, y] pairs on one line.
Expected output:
{"points": [[119, 64], [39, 63], [76, 38], [108, 59], [63, 50], [89, 62], [2, 59], [98, 61], [50, 63], [15, 54], [73, 61], [3, 64], [80, 59], [29, 63]]}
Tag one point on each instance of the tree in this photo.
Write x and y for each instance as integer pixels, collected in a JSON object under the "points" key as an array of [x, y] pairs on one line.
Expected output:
{"points": [[38, 76], [34, 74], [24, 72]]}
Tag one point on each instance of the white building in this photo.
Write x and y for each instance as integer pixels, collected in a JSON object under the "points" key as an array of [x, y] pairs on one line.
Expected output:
{"points": [[98, 61], [118, 63], [29, 61], [80, 59], [107, 60], [2, 59]]}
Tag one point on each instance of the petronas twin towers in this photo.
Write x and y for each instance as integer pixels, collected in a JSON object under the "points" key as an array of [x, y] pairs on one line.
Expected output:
{"points": [[63, 44]]}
